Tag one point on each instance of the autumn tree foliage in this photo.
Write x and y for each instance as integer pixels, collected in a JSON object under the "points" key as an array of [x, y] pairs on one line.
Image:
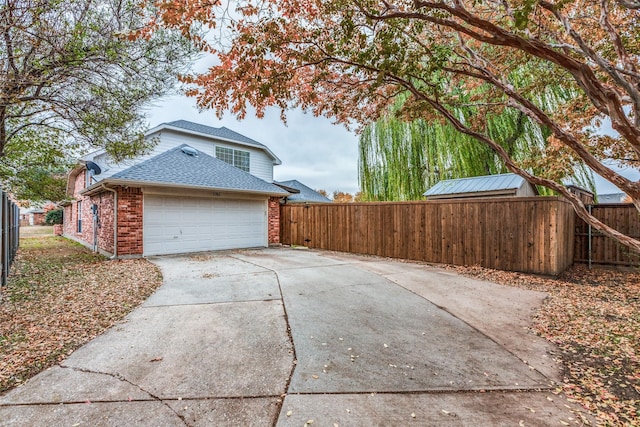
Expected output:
{"points": [[349, 60], [342, 197], [73, 77]]}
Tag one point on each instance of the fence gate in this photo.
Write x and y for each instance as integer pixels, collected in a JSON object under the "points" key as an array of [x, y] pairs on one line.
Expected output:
{"points": [[593, 247]]}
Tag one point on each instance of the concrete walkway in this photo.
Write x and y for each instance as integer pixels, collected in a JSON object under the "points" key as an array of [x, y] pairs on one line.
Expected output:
{"points": [[285, 336]]}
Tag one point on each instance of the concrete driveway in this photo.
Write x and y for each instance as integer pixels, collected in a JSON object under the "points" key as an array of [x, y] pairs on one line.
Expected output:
{"points": [[285, 336]]}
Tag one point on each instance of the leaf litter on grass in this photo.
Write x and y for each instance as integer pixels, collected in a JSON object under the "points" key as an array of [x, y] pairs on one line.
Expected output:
{"points": [[59, 296], [593, 317]]}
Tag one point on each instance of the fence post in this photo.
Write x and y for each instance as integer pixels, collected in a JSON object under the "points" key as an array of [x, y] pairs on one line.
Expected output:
{"points": [[5, 243], [589, 238]]}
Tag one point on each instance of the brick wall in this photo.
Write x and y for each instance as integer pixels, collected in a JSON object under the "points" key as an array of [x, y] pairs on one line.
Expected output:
{"points": [[273, 218], [67, 220], [105, 220], [38, 218], [104, 230], [129, 221], [70, 216]]}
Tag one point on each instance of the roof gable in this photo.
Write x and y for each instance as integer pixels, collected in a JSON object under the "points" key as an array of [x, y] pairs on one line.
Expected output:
{"points": [[478, 184], [221, 133], [176, 167]]}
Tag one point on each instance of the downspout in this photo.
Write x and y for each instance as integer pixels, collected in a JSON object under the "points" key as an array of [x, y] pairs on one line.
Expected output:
{"points": [[115, 219]]}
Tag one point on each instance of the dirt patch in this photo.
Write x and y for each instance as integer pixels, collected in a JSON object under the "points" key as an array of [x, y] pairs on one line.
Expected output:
{"points": [[59, 296]]}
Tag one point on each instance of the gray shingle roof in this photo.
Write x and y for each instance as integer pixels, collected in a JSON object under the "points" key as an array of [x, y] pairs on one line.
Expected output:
{"points": [[306, 194], [175, 167], [221, 132], [477, 184]]}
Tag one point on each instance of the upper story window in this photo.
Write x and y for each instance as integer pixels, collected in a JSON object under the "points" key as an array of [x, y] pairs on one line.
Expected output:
{"points": [[237, 158]]}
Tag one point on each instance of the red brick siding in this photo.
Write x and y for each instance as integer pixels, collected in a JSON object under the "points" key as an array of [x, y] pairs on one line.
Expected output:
{"points": [[104, 201], [273, 218], [38, 218], [68, 220], [105, 220], [129, 221]]}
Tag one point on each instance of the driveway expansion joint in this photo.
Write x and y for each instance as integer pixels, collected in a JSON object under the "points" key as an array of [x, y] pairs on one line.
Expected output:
{"points": [[293, 346]]}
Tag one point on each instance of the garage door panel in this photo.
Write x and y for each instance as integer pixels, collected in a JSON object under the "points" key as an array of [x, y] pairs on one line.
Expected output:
{"points": [[187, 224]]}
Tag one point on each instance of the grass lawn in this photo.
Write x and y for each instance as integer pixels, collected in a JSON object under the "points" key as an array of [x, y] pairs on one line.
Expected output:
{"points": [[59, 296], [36, 230], [593, 316]]}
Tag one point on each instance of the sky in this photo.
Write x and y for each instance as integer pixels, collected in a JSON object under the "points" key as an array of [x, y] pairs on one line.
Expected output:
{"points": [[313, 150]]}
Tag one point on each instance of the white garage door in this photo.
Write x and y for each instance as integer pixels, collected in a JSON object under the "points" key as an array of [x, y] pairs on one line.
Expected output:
{"points": [[189, 224]]}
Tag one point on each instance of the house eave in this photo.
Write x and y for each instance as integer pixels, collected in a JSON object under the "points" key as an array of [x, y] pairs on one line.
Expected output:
{"points": [[99, 187], [286, 188]]}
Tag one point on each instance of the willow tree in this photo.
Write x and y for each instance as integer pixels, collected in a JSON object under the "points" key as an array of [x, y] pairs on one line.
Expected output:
{"points": [[399, 159], [349, 59]]}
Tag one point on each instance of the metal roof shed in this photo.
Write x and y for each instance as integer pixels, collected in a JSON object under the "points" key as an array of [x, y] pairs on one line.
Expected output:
{"points": [[503, 185]]}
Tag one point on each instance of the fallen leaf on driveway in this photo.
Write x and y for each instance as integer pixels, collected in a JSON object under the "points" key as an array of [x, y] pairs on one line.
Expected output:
{"points": [[593, 316]]}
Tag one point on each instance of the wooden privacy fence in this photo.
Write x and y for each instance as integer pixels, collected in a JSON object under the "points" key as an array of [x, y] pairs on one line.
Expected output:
{"points": [[591, 246], [10, 214], [532, 234]]}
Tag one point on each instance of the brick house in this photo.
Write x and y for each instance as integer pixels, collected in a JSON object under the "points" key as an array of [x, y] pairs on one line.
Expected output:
{"points": [[201, 188]]}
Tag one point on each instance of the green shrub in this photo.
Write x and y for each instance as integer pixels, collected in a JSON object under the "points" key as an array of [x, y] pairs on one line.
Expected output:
{"points": [[53, 217]]}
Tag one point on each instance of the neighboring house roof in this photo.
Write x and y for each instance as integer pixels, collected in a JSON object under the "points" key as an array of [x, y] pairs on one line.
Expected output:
{"points": [[490, 184], [221, 133], [177, 168], [25, 211], [305, 194], [612, 198]]}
